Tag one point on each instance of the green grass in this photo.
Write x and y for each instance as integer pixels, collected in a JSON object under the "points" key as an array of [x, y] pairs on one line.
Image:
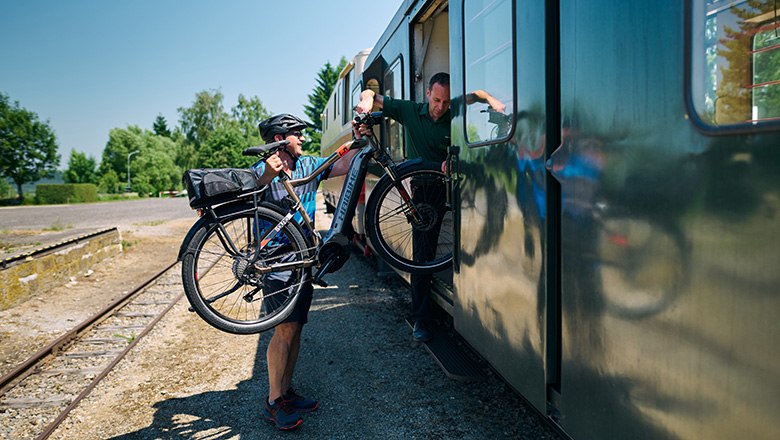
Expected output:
{"points": [[129, 338], [57, 226], [150, 223]]}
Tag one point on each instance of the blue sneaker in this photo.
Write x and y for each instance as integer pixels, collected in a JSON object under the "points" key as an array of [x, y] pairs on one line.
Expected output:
{"points": [[420, 332], [283, 416], [298, 402]]}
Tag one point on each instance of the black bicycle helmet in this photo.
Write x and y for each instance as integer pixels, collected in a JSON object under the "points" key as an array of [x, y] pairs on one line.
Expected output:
{"points": [[279, 124]]}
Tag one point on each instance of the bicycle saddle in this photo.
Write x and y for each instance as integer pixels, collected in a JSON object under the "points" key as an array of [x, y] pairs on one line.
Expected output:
{"points": [[264, 151]]}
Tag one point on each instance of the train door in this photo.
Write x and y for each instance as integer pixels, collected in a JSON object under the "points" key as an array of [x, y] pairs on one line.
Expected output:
{"points": [[429, 54], [499, 124]]}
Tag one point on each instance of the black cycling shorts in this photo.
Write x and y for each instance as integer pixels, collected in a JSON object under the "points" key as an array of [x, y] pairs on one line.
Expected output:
{"points": [[300, 312]]}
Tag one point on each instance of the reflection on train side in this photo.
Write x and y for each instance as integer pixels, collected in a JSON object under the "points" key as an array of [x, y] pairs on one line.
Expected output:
{"points": [[646, 248]]}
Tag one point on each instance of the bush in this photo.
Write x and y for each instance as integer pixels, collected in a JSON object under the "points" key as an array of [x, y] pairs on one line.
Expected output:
{"points": [[52, 194]]}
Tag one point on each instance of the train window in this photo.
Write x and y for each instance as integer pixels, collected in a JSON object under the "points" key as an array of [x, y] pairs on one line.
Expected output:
{"points": [[393, 87], [346, 114], [356, 90], [336, 105], [489, 72], [735, 62]]}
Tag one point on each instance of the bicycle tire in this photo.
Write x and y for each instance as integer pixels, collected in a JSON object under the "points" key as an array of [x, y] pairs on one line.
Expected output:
{"points": [[224, 289], [390, 230]]}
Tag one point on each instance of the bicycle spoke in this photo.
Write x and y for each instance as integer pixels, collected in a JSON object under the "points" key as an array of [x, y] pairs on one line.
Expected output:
{"points": [[412, 234], [236, 285], [225, 293]]}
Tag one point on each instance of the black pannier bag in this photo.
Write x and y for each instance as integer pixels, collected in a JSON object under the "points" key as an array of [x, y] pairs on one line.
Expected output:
{"points": [[209, 186]]}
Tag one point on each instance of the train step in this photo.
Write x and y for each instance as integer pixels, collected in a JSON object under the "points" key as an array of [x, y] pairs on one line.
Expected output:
{"points": [[453, 356]]}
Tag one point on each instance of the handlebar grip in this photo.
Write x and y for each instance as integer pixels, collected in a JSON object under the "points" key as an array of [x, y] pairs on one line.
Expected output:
{"points": [[369, 118]]}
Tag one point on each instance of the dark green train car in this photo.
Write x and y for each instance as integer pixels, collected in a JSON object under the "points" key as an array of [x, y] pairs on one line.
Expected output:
{"points": [[618, 223]]}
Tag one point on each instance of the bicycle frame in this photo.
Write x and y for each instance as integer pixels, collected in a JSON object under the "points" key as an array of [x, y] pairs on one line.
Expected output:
{"points": [[331, 251]]}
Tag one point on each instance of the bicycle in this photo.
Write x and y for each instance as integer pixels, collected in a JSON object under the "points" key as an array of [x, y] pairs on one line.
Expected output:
{"points": [[245, 260]]}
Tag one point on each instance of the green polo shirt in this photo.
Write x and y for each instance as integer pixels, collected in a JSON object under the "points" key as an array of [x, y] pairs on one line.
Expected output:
{"points": [[425, 137]]}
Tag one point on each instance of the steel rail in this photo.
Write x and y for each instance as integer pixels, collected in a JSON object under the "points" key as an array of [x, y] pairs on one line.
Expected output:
{"points": [[7, 379], [54, 424]]}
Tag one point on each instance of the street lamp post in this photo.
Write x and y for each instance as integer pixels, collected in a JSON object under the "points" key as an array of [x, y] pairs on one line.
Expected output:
{"points": [[128, 168]]}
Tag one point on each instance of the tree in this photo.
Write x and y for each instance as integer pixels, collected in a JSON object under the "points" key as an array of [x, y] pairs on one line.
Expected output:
{"points": [[109, 182], [154, 171], [223, 149], [326, 80], [28, 147], [121, 142], [81, 169], [160, 127], [247, 114], [203, 117], [5, 189]]}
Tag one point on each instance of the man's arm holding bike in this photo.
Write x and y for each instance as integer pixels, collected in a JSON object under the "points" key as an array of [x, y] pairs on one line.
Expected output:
{"points": [[367, 101], [274, 166]]}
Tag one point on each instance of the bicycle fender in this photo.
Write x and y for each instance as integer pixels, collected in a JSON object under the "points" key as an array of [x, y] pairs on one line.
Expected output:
{"points": [[188, 237], [203, 221], [416, 163]]}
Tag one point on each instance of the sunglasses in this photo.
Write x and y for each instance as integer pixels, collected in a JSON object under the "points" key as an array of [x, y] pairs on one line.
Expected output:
{"points": [[296, 133]]}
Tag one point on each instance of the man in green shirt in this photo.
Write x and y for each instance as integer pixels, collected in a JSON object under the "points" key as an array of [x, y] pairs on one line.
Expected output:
{"points": [[427, 127]]}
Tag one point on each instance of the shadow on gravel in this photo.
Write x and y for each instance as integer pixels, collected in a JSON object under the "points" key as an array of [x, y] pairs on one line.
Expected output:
{"points": [[371, 380], [213, 415]]}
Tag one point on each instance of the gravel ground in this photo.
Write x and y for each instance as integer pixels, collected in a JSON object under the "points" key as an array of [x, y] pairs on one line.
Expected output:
{"points": [[188, 380]]}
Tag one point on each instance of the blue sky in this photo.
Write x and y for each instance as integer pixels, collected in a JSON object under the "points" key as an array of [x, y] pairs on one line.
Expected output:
{"points": [[88, 66]]}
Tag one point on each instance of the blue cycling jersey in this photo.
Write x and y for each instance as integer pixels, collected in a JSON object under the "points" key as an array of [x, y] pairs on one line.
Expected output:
{"points": [[307, 193]]}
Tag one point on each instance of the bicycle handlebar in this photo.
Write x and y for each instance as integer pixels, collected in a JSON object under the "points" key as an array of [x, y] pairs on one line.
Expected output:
{"points": [[368, 119]]}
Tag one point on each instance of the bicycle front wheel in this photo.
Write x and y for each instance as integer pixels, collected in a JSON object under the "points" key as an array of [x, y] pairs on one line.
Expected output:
{"points": [[232, 289], [408, 222]]}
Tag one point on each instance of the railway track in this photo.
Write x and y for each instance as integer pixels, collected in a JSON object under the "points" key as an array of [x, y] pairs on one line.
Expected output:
{"points": [[37, 395]]}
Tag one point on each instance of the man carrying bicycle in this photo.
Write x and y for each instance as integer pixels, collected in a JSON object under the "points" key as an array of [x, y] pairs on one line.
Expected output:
{"points": [[283, 405]]}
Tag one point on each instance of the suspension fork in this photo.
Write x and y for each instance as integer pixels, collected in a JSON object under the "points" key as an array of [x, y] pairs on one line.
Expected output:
{"points": [[412, 214]]}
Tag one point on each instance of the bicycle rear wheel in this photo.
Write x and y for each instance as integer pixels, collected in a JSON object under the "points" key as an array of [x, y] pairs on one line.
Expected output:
{"points": [[226, 289], [420, 247]]}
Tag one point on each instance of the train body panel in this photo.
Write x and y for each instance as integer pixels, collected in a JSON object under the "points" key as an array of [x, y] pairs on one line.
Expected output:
{"points": [[665, 241], [618, 222]]}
